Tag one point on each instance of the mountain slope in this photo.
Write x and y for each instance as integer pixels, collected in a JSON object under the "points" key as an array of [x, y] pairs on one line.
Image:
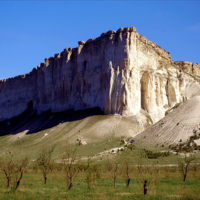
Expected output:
{"points": [[31, 132], [176, 127]]}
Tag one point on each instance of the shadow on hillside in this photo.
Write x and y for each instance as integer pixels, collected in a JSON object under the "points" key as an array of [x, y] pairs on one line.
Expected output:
{"points": [[29, 120]]}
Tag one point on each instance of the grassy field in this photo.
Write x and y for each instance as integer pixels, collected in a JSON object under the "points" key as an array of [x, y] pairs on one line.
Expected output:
{"points": [[166, 183]]}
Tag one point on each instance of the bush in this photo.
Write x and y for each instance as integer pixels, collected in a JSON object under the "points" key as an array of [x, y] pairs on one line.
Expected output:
{"points": [[151, 155]]}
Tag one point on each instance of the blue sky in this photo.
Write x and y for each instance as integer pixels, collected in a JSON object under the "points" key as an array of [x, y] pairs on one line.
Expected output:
{"points": [[30, 31]]}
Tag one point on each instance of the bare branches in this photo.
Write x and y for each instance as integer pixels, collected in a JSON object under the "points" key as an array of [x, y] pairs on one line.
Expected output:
{"points": [[92, 173], [19, 169], [127, 167], [184, 165], [70, 160], [145, 173], [44, 161], [14, 169], [113, 167], [7, 166]]}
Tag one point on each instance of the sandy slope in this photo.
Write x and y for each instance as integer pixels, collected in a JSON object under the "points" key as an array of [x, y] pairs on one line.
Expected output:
{"points": [[175, 127], [192, 90]]}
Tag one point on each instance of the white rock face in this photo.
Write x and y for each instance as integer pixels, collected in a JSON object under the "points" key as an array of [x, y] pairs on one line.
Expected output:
{"points": [[120, 72]]}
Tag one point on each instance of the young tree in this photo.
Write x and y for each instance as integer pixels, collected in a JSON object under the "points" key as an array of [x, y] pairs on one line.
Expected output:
{"points": [[96, 169], [127, 168], [7, 166], [44, 161], [184, 165], [145, 173], [20, 166], [92, 173], [113, 167], [14, 169], [89, 174], [70, 159]]}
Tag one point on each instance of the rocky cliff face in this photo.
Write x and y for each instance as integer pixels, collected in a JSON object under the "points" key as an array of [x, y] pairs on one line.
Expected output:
{"points": [[120, 72]]}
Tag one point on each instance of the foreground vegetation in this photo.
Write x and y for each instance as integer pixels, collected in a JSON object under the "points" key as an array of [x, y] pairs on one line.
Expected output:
{"points": [[168, 185], [128, 174]]}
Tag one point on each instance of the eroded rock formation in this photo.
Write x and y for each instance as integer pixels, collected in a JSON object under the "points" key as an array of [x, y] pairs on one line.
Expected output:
{"points": [[120, 72]]}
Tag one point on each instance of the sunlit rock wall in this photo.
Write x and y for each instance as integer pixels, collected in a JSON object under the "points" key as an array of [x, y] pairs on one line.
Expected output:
{"points": [[120, 72]]}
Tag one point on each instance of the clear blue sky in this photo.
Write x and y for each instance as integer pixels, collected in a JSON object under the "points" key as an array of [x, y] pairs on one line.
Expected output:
{"points": [[30, 31]]}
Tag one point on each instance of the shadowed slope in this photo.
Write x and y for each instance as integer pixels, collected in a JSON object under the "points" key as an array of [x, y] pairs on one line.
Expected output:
{"points": [[29, 120], [31, 132]]}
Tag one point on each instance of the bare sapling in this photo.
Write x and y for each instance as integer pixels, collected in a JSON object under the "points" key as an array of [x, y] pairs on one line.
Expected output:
{"points": [[14, 169], [96, 169], [71, 160], [127, 167], [45, 161], [88, 171], [92, 173], [112, 166], [7, 166], [19, 169], [185, 164], [145, 174]]}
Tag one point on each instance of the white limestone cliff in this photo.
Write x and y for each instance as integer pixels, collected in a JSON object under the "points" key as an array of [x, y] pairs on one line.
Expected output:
{"points": [[120, 72]]}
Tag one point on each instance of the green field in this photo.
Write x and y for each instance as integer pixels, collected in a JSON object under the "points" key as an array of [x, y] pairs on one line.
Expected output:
{"points": [[164, 180], [166, 184]]}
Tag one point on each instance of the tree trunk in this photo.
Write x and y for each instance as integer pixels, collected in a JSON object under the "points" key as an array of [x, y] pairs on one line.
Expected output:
{"points": [[184, 177], [20, 178], [128, 181], [8, 182], [71, 183], [185, 173], [114, 182], [18, 183], [8, 178], [145, 187], [45, 180]]}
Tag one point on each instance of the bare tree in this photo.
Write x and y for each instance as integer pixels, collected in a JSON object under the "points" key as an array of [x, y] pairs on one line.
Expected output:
{"points": [[184, 165], [19, 169], [96, 169], [113, 167], [89, 174], [92, 173], [70, 159], [127, 168], [44, 161], [14, 169], [7, 166], [145, 174]]}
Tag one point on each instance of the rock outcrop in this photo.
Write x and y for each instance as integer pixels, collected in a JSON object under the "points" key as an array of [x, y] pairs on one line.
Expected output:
{"points": [[119, 72], [192, 68]]}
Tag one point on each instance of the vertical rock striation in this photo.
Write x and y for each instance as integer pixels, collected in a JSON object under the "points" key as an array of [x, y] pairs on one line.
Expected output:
{"points": [[120, 72]]}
